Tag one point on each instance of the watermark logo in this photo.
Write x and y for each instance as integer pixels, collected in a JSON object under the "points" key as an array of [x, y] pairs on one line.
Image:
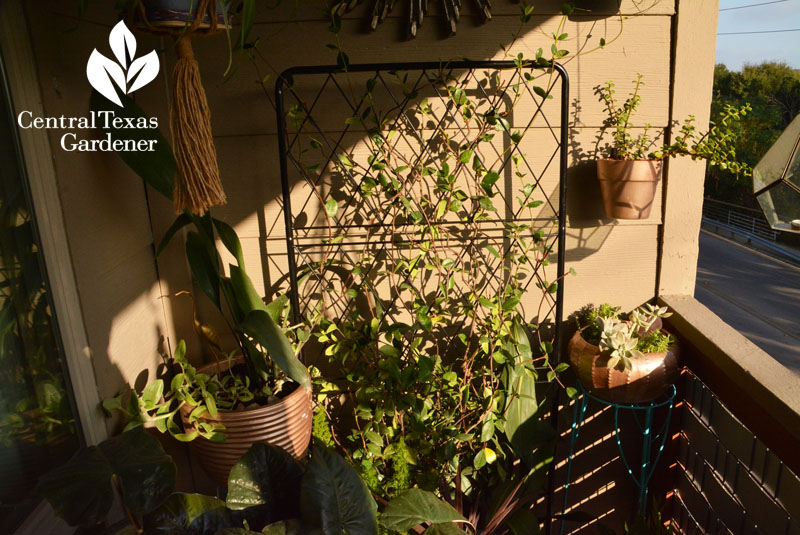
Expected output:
{"points": [[108, 77], [128, 73]]}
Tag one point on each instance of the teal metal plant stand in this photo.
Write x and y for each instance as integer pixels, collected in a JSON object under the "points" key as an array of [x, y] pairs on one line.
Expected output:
{"points": [[643, 414]]}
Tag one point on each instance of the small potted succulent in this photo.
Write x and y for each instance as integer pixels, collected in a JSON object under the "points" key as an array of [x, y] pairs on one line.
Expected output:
{"points": [[632, 168], [628, 359]]}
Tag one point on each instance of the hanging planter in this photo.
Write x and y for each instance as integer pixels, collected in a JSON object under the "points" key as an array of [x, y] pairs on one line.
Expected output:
{"points": [[176, 14], [197, 185], [628, 187], [630, 174]]}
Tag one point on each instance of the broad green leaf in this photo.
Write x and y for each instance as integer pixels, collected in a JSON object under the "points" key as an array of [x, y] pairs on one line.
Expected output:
{"points": [[266, 475], [414, 507], [81, 491], [523, 522], [157, 168], [287, 527], [262, 328], [447, 528], [203, 266], [487, 430], [522, 405], [244, 292], [275, 307], [248, 18], [230, 240], [488, 181], [189, 514], [335, 499], [181, 221]]}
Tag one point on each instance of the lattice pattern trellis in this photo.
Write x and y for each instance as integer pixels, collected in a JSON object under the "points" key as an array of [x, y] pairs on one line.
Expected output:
{"points": [[421, 202], [322, 111]]}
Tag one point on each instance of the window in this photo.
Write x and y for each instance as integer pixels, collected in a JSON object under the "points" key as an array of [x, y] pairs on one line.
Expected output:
{"points": [[38, 427]]}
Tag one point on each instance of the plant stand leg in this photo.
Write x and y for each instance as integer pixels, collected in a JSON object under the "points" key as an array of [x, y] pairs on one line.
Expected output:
{"points": [[578, 414]]}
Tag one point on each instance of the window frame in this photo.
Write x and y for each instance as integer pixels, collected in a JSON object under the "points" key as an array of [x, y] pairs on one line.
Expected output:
{"points": [[22, 82]]}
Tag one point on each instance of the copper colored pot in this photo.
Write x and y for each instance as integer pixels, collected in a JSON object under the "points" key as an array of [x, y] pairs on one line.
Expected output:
{"points": [[650, 376], [285, 423], [628, 187]]}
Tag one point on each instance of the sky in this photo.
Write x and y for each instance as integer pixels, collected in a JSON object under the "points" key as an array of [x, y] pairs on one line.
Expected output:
{"points": [[736, 50]]}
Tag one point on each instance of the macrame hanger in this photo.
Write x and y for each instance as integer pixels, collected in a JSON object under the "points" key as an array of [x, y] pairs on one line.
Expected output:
{"points": [[197, 185]]}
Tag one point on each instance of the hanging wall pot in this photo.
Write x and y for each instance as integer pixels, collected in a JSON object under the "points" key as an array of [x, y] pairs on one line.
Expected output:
{"points": [[589, 10], [628, 187], [197, 185]]}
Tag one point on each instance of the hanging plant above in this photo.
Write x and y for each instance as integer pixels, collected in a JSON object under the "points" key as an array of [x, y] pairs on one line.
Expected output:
{"points": [[415, 11]]}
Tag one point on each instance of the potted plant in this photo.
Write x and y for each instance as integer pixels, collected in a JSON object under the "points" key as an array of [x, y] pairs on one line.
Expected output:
{"points": [[259, 392], [624, 360], [632, 168]]}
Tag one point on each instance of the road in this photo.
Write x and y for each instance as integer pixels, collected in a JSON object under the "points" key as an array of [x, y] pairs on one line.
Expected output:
{"points": [[755, 294]]}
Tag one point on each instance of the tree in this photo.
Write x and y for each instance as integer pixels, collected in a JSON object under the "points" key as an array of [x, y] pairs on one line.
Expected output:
{"points": [[773, 91]]}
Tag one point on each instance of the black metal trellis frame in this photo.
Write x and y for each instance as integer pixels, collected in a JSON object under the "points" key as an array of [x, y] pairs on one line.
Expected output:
{"points": [[288, 77]]}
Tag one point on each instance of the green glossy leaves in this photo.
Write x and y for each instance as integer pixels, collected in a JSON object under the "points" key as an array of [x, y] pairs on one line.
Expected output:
{"points": [[415, 507], [156, 168], [262, 328], [189, 514], [266, 475], [335, 499], [82, 490]]}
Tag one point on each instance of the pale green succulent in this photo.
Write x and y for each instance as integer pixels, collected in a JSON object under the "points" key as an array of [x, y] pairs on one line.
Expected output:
{"points": [[620, 338]]}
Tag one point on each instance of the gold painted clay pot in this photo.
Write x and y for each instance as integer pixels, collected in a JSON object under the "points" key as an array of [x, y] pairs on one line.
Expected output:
{"points": [[628, 187], [648, 379], [285, 423]]}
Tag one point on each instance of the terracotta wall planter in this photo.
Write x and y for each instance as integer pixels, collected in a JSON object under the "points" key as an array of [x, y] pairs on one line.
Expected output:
{"points": [[649, 377], [285, 423], [628, 187]]}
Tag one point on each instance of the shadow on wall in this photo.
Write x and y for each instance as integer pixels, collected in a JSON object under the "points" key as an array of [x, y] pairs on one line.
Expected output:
{"points": [[244, 124]]}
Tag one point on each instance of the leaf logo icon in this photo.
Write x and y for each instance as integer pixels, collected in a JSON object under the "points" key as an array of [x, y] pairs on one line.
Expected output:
{"points": [[127, 74]]}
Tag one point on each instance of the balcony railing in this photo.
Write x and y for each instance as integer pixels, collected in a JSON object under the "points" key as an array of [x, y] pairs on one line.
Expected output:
{"points": [[735, 448]]}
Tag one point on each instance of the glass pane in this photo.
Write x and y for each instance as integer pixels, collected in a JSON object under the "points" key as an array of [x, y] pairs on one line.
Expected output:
{"points": [[793, 173], [37, 424], [781, 205], [772, 165]]}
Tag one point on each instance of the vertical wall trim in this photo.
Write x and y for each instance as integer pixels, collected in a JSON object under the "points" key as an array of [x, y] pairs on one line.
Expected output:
{"points": [[694, 48], [26, 95]]}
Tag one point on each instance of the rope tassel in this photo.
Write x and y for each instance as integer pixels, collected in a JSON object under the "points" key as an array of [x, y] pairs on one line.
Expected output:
{"points": [[197, 186]]}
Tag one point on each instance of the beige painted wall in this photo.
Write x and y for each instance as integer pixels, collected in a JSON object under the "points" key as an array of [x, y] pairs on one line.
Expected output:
{"points": [[112, 220]]}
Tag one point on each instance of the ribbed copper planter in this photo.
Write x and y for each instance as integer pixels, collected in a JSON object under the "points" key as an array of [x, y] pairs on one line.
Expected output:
{"points": [[285, 423], [647, 380], [628, 187]]}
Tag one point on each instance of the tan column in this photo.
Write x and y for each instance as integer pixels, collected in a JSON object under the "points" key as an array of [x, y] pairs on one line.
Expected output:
{"points": [[694, 47]]}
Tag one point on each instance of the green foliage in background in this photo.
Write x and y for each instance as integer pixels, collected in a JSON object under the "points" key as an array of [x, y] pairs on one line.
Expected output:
{"points": [[773, 91]]}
